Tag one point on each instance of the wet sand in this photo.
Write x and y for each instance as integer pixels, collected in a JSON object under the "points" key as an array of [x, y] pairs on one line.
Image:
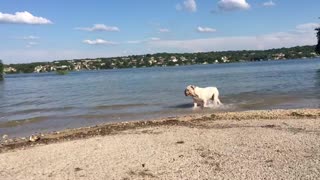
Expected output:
{"points": [[278, 144]]}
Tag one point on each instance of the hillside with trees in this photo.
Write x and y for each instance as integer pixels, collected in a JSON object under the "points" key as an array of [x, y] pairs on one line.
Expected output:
{"points": [[318, 36], [1, 70], [165, 59]]}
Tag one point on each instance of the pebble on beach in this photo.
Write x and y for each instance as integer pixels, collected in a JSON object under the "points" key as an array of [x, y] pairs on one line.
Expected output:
{"points": [[34, 138], [5, 136]]}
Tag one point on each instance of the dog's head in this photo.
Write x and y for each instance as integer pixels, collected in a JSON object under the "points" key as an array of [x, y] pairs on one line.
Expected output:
{"points": [[189, 91]]}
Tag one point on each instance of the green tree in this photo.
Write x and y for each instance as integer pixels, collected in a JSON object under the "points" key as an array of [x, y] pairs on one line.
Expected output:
{"points": [[318, 36], [1, 70]]}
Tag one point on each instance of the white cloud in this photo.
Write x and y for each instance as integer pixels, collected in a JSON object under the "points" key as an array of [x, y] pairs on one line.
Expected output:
{"points": [[188, 5], [22, 18], [154, 39], [232, 5], [302, 34], [30, 37], [269, 3], [99, 27], [99, 42], [205, 29], [134, 42], [164, 30], [266, 41], [31, 44], [31, 40], [307, 27], [143, 41], [36, 54]]}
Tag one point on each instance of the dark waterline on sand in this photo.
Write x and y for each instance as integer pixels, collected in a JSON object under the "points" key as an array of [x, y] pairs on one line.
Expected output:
{"points": [[46, 102]]}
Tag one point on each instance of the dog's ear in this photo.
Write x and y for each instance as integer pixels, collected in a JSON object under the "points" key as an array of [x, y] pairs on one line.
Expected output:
{"points": [[185, 92], [192, 86]]}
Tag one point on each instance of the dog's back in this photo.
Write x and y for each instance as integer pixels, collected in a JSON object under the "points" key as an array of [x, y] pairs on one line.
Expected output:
{"points": [[211, 93]]}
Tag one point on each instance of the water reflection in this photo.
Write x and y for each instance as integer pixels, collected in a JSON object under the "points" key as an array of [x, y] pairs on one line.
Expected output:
{"points": [[1, 90], [183, 106], [318, 79]]}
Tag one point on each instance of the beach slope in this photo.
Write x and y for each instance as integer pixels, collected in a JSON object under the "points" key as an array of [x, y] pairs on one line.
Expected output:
{"points": [[279, 144]]}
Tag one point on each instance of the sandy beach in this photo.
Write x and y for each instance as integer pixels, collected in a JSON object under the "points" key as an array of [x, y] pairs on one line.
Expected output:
{"points": [[277, 144]]}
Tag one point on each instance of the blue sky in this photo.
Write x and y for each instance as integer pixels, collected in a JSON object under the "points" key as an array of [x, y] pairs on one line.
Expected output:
{"points": [[37, 30]]}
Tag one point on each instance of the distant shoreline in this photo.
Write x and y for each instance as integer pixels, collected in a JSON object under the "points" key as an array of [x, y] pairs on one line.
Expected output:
{"points": [[164, 59]]}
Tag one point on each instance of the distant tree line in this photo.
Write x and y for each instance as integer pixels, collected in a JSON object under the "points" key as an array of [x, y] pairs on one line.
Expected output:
{"points": [[28, 67], [172, 59], [318, 36], [1, 70]]}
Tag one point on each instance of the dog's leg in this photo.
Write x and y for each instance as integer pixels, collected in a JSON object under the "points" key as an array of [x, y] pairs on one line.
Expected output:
{"points": [[205, 103], [214, 102], [215, 99], [195, 105], [218, 101]]}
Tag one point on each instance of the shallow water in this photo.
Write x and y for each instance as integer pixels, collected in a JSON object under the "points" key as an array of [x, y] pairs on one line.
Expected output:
{"points": [[46, 102]]}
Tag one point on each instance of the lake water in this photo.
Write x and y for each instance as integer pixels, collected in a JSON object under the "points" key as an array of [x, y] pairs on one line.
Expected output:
{"points": [[46, 102]]}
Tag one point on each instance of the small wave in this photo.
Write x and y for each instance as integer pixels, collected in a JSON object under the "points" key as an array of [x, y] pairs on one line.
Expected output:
{"points": [[106, 116], [87, 116], [267, 102], [210, 106], [222, 106], [29, 111], [117, 116], [21, 103], [120, 106], [182, 106], [20, 122]]}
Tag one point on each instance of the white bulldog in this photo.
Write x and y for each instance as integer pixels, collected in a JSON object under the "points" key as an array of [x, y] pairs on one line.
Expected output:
{"points": [[203, 95]]}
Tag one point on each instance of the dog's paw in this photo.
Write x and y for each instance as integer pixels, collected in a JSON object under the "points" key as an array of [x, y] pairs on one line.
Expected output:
{"points": [[195, 108]]}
